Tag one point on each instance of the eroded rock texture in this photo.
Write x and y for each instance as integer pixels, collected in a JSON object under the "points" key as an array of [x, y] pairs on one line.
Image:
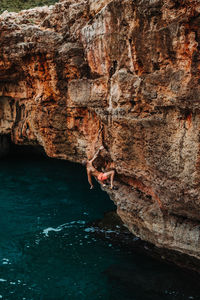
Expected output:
{"points": [[119, 72]]}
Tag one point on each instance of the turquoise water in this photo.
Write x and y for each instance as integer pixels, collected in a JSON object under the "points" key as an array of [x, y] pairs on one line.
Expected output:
{"points": [[47, 250]]}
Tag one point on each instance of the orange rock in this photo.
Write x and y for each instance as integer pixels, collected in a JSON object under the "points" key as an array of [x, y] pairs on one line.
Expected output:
{"points": [[120, 73]]}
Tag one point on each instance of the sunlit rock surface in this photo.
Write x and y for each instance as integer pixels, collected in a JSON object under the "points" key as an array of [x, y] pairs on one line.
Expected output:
{"points": [[123, 73]]}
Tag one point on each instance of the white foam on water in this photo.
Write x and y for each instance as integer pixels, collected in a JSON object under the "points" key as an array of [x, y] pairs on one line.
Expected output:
{"points": [[63, 226], [2, 280], [93, 229], [90, 229], [5, 261], [110, 231], [37, 241], [47, 230], [80, 222], [1, 296]]}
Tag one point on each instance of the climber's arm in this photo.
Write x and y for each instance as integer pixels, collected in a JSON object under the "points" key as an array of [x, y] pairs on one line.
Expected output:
{"points": [[96, 154]]}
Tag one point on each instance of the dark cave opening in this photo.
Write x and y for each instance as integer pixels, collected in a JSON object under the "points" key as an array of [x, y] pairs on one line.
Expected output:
{"points": [[10, 149]]}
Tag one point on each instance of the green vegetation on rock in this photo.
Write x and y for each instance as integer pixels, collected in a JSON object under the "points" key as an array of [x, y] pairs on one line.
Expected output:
{"points": [[17, 5]]}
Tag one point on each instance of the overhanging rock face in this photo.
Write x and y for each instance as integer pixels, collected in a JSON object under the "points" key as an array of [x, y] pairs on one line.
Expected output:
{"points": [[123, 73]]}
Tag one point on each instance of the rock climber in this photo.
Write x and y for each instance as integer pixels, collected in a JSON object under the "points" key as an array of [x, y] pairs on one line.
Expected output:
{"points": [[91, 171]]}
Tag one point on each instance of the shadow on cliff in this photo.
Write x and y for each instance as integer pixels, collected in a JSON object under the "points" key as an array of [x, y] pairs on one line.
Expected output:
{"points": [[10, 150]]}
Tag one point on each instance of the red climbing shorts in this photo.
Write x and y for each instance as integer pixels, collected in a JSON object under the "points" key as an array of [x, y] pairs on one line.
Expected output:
{"points": [[102, 177]]}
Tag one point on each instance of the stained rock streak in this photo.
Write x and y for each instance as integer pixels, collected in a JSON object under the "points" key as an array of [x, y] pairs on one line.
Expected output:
{"points": [[119, 72]]}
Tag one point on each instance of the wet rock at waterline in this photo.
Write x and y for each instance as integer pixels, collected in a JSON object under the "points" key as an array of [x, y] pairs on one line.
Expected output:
{"points": [[130, 68]]}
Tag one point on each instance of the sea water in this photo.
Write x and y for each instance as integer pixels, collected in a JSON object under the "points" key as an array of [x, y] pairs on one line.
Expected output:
{"points": [[48, 251]]}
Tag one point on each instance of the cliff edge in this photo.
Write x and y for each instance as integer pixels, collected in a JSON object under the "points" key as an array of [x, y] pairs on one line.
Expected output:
{"points": [[119, 72]]}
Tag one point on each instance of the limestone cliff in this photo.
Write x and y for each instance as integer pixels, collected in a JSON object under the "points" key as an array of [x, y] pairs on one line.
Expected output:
{"points": [[119, 72]]}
